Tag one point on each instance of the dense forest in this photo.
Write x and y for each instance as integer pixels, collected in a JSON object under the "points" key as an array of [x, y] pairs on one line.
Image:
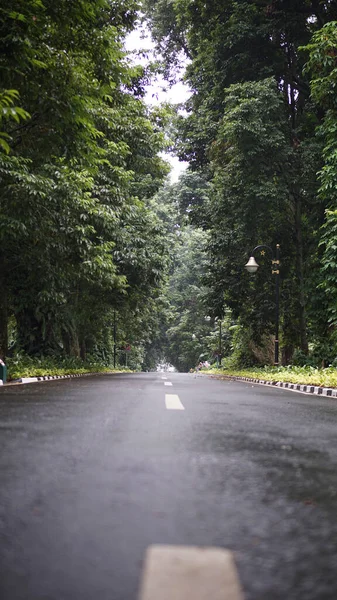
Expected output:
{"points": [[101, 257]]}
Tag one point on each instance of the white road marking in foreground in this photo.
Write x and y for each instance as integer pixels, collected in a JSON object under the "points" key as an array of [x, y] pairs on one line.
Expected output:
{"points": [[189, 573], [168, 383], [172, 402]]}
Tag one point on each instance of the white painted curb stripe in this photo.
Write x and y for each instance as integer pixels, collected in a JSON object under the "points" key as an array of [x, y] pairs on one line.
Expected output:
{"points": [[189, 573], [172, 402], [295, 387], [52, 377]]}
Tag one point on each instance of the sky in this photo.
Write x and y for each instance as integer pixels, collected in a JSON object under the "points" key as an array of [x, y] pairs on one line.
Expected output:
{"points": [[158, 91]]}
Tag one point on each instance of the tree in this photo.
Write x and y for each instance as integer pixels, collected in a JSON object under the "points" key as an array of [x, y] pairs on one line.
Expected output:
{"points": [[247, 45], [187, 328], [79, 237], [322, 67]]}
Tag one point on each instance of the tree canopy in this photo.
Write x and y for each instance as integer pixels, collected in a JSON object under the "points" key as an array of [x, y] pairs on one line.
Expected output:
{"points": [[80, 235], [260, 129]]}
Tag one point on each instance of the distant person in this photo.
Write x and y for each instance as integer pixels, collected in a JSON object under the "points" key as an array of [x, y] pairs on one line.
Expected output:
{"points": [[198, 368]]}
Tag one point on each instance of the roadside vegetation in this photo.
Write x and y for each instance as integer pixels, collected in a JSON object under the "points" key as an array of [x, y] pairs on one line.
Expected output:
{"points": [[25, 366], [302, 375]]}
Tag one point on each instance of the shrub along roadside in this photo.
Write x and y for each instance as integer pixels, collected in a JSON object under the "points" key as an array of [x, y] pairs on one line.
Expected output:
{"points": [[301, 375], [25, 366]]}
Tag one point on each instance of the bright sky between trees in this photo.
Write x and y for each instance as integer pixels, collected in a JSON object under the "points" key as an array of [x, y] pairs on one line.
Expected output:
{"points": [[158, 91]]}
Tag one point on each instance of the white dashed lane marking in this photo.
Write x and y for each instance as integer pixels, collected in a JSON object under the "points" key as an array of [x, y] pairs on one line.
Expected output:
{"points": [[172, 402], [168, 383], [182, 572]]}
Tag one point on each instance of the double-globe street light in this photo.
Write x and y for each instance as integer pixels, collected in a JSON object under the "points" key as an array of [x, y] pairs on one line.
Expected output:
{"points": [[252, 267], [219, 357]]}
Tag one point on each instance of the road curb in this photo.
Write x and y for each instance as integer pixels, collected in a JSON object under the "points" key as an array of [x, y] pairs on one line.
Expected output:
{"points": [[296, 387], [47, 378], [51, 377]]}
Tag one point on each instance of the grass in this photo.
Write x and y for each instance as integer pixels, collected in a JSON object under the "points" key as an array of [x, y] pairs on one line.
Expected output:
{"points": [[301, 375], [25, 366]]}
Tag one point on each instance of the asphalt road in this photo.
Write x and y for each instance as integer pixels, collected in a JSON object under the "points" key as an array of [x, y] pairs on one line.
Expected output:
{"points": [[96, 469]]}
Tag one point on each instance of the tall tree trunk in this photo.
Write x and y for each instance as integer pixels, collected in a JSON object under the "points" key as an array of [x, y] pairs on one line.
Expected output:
{"points": [[71, 342], [3, 309], [29, 337], [75, 345], [300, 275], [294, 98], [83, 350]]}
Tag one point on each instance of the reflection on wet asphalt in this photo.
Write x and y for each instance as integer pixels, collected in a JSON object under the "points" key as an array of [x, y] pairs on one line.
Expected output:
{"points": [[94, 470]]}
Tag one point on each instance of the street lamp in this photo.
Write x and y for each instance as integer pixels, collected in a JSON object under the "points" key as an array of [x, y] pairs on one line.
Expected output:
{"points": [[219, 320], [252, 267], [115, 342]]}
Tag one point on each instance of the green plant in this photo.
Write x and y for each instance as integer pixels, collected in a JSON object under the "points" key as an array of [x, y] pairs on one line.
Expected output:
{"points": [[22, 365], [293, 374]]}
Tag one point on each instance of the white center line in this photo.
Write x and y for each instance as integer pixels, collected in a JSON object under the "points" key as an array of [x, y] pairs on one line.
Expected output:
{"points": [[168, 383], [180, 572], [172, 402]]}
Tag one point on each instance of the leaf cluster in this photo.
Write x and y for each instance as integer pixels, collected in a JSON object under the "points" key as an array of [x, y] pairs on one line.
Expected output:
{"points": [[80, 238]]}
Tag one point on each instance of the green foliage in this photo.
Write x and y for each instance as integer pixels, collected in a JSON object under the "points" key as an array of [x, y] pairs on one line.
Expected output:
{"points": [[301, 375], [9, 111], [192, 195], [249, 131], [321, 66], [22, 365], [192, 334], [80, 236], [187, 323], [250, 203]]}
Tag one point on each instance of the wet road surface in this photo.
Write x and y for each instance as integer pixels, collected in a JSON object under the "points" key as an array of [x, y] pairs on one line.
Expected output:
{"points": [[95, 469]]}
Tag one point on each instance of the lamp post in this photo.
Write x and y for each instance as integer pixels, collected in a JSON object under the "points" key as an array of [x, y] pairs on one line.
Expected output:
{"points": [[115, 331], [219, 320], [252, 267]]}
